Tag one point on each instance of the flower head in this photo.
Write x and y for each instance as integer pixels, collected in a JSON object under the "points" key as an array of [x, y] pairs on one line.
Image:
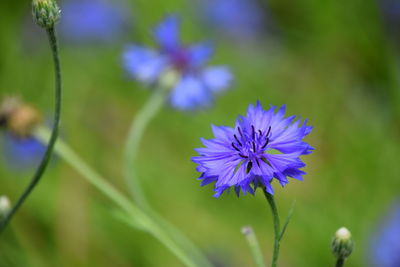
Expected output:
{"points": [[196, 84], [385, 244], [93, 21], [45, 13], [262, 146]]}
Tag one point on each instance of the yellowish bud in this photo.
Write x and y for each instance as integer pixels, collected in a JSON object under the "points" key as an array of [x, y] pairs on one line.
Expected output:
{"points": [[18, 117]]}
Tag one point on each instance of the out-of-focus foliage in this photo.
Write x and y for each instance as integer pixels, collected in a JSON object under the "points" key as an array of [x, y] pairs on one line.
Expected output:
{"points": [[333, 62]]}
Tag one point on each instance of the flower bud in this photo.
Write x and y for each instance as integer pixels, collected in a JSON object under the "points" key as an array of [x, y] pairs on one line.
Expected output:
{"points": [[342, 244], [45, 13], [18, 117], [5, 205]]}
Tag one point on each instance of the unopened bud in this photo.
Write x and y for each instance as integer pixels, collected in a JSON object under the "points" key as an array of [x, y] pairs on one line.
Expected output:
{"points": [[18, 117], [5, 205], [45, 13], [342, 244]]}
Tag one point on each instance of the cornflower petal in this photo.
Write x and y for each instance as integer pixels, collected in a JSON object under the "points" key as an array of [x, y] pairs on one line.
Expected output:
{"points": [[167, 33], [199, 54], [143, 64], [22, 153], [189, 93], [385, 242], [217, 78]]}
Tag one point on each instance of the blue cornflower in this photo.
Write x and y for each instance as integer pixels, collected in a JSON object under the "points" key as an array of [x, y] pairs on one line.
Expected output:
{"points": [[262, 146], [385, 245], [22, 152], [93, 21], [196, 84], [241, 19]]}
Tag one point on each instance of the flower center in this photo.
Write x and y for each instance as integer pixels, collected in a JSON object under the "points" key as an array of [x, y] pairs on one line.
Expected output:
{"points": [[251, 146], [179, 59]]}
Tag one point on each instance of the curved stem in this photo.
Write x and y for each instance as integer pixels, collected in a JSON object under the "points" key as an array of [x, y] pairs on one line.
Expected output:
{"points": [[339, 262], [46, 158], [133, 140], [140, 218], [275, 217], [136, 132]]}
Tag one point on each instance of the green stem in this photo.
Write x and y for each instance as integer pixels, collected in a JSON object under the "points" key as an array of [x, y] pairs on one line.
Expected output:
{"points": [[136, 214], [254, 246], [54, 134], [275, 217], [340, 262], [133, 140], [136, 132]]}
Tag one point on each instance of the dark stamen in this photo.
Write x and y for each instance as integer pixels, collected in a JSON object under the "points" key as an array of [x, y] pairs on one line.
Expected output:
{"points": [[266, 161], [269, 131], [240, 132], [237, 149], [259, 131], [249, 166], [253, 132], [258, 163], [237, 140], [266, 143], [243, 156], [254, 146]]}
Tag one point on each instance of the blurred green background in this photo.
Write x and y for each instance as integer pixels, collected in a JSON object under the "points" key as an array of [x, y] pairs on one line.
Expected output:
{"points": [[332, 62]]}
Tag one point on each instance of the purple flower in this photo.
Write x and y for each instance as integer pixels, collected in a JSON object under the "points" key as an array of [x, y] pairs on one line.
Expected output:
{"points": [[196, 84], [385, 245], [262, 146], [240, 19], [93, 21], [22, 153]]}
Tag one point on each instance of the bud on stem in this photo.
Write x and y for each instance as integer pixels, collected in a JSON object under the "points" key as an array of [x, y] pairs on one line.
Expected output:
{"points": [[342, 245], [45, 13]]}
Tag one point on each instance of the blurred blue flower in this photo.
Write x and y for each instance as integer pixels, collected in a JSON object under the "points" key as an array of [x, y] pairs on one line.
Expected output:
{"points": [[22, 153], [243, 20], [391, 8], [385, 244], [262, 146], [196, 84], [93, 21]]}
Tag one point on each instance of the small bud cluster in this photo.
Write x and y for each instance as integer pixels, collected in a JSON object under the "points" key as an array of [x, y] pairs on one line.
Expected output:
{"points": [[342, 244], [45, 13], [18, 117]]}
